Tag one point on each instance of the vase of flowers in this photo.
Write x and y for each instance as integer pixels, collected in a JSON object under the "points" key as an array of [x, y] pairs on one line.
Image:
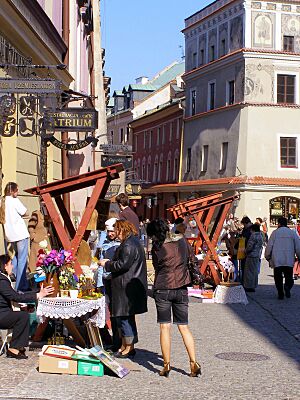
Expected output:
{"points": [[68, 280], [51, 262]]}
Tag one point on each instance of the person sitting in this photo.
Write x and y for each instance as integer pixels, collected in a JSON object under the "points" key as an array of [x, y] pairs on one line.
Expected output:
{"points": [[18, 321]]}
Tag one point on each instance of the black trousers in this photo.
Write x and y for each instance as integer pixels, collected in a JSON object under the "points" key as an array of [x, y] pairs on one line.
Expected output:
{"points": [[18, 321], [288, 277]]}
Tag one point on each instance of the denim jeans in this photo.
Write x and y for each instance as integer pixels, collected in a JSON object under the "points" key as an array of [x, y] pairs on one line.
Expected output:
{"points": [[128, 329], [20, 264]]}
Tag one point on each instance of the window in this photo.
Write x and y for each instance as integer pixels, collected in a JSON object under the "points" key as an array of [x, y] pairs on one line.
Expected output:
{"points": [[158, 136], [204, 158], [222, 48], [177, 128], [160, 166], [212, 53], [168, 170], [136, 142], [230, 92], [202, 61], [150, 139], [175, 175], [188, 159], [211, 95], [112, 137], [171, 131], [163, 134], [288, 152], [193, 102], [284, 206], [194, 60], [144, 139], [286, 88], [121, 135], [143, 171], [127, 134], [224, 154], [288, 43]]}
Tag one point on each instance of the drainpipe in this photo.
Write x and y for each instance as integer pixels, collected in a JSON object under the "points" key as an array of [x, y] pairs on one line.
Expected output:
{"points": [[64, 135]]}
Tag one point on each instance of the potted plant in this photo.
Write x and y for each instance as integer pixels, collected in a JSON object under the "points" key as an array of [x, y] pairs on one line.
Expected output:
{"points": [[68, 281], [51, 262]]}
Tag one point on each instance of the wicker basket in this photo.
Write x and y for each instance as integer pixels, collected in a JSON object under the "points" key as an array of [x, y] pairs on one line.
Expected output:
{"points": [[229, 284]]}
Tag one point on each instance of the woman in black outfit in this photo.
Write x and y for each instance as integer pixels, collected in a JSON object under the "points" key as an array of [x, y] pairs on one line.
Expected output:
{"points": [[170, 254], [18, 321]]}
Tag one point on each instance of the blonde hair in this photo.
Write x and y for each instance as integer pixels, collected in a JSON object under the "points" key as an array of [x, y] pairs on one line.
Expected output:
{"points": [[124, 228]]}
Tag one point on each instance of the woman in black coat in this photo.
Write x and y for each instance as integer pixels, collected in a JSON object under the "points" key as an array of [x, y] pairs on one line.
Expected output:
{"points": [[18, 321], [128, 285]]}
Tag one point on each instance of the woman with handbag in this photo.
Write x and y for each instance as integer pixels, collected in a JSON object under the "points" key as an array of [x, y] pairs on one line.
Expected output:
{"points": [[170, 256]]}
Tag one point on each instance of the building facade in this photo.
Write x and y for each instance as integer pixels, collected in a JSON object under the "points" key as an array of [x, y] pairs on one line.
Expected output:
{"points": [[242, 104]]}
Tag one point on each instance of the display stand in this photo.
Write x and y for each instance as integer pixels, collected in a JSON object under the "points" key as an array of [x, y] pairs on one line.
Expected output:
{"points": [[209, 213], [51, 193]]}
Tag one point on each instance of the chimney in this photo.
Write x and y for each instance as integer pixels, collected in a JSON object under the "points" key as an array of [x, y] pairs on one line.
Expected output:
{"points": [[142, 80]]}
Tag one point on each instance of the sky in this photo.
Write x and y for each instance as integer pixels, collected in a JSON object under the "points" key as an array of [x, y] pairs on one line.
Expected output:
{"points": [[141, 37]]}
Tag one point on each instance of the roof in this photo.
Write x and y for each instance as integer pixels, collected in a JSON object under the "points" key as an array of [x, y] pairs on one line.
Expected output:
{"points": [[168, 74], [233, 182], [117, 93], [148, 87]]}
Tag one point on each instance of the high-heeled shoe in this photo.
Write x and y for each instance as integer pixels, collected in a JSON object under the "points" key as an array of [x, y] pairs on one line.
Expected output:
{"points": [[130, 354], [166, 370], [19, 356], [195, 369]]}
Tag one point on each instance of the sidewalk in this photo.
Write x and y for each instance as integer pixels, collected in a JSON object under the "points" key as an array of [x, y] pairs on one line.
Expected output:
{"points": [[225, 335]]}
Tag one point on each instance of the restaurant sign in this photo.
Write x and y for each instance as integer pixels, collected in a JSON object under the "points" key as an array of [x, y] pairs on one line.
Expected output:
{"points": [[73, 120], [32, 86], [80, 144], [106, 161]]}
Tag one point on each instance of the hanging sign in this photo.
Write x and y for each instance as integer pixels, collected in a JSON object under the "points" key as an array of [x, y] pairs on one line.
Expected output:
{"points": [[33, 86], [116, 148], [111, 160], [74, 120], [71, 146]]}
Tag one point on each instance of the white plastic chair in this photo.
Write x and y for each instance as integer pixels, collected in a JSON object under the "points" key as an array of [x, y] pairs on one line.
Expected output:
{"points": [[6, 337]]}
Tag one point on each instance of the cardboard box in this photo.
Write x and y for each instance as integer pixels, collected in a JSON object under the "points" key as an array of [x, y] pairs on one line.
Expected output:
{"points": [[53, 365], [87, 365]]}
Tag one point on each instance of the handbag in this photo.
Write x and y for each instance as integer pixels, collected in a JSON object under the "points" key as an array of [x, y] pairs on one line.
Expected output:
{"points": [[241, 249], [196, 277]]}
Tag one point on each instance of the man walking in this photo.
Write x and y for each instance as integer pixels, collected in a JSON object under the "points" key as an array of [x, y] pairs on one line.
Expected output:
{"points": [[280, 252], [126, 213]]}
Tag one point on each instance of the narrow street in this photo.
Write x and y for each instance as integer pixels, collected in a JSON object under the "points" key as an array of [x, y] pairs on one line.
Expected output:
{"points": [[246, 352]]}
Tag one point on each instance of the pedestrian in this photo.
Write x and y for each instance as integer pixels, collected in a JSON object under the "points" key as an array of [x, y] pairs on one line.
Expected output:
{"points": [[170, 254], [142, 233], [18, 321], [245, 235], [253, 252], [128, 285], [282, 246], [126, 213], [13, 212]]}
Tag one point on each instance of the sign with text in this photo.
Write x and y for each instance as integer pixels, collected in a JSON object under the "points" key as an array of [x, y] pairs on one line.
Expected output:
{"points": [[106, 161], [74, 120], [33, 86], [113, 190], [70, 146], [116, 148]]}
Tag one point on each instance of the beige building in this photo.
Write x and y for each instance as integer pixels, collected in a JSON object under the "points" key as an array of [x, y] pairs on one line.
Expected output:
{"points": [[243, 105]]}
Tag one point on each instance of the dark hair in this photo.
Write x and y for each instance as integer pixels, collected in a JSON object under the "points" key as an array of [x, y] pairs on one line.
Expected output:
{"points": [[10, 188], [245, 220], [282, 221], [178, 221], [157, 230], [255, 227], [259, 219], [4, 259], [122, 199]]}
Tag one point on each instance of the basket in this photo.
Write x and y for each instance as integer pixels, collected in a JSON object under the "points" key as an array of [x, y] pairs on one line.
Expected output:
{"points": [[229, 284]]}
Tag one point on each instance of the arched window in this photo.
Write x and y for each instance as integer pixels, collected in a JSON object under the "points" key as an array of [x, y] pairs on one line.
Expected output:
{"points": [[144, 169], [148, 169], [168, 169], [160, 167], [176, 166], [284, 206], [155, 169]]}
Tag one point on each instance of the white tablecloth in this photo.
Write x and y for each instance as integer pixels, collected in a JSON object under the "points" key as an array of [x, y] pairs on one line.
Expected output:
{"points": [[230, 294], [65, 308]]}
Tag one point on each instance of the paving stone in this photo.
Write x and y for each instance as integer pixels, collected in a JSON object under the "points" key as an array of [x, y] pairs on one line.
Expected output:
{"points": [[265, 326]]}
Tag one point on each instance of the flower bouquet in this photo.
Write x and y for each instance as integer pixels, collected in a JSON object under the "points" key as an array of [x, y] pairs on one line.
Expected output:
{"points": [[68, 280], [51, 262]]}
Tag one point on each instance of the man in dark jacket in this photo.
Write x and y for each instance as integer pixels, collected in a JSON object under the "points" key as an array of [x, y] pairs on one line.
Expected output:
{"points": [[126, 212]]}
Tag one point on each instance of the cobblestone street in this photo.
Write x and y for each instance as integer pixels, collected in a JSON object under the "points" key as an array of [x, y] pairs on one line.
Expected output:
{"points": [[266, 326]]}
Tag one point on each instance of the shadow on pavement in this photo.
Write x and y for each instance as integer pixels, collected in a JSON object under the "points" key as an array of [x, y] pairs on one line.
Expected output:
{"points": [[277, 320]]}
